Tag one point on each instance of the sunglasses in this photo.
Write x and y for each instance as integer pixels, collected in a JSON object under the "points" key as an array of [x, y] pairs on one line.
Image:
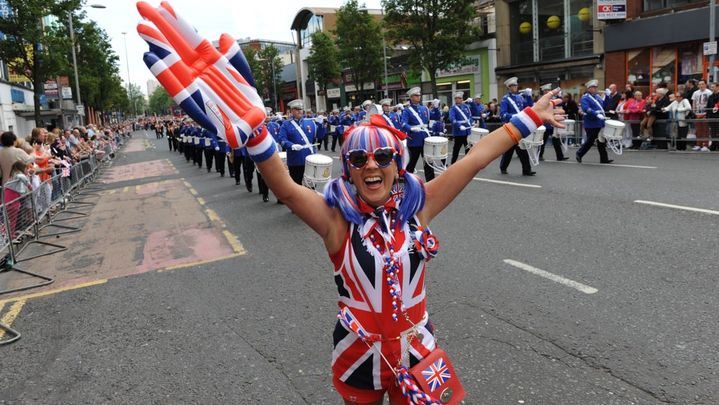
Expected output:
{"points": [[358, 158]]}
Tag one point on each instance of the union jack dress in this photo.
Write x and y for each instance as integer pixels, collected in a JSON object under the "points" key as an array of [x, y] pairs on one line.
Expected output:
{"points": [[361, 282]]}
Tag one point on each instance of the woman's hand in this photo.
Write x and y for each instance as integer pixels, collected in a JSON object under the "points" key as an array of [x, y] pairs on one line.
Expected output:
{"points": [[545, 109]]}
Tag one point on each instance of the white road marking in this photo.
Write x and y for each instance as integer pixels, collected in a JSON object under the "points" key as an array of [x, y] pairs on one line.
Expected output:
{"points": [[678, 207], [507, 183], [557, 279], [602, 164]]}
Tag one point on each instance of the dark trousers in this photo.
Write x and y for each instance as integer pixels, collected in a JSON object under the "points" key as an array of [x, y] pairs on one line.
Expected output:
{"points": [[246, 167], [335, 138], [220, 162], [231, 165], [297, 173], [458, 142], [169, 142], [592, 135], [175, 143], [414, 153], [209, 154], [556, 142], [523, 159], [324, 142], [682, 137], [188, 152], [198, 156], [180, 147], [264, 190]]}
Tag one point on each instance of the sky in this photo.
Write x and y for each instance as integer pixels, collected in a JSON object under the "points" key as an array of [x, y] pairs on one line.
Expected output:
{"points": [[268, 19]]}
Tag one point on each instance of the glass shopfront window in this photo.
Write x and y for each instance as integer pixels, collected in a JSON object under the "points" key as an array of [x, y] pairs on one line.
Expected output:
{"points": [[580, 29], [551, 29], [521, 32], [638, 69], [650, 5], [690, 63], [664, 67], [314, 24]]}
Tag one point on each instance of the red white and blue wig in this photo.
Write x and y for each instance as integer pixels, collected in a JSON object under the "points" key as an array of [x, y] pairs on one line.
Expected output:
{"points": [[341, 193]]}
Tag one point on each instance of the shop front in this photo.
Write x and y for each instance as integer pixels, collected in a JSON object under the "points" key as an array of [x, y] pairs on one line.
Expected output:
{"points": [[470, 76]]}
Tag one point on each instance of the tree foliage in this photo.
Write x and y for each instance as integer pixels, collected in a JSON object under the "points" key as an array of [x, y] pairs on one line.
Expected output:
{"points": [[27, 47], [269, 63], [323, 60], [159, 101], [137, 102], [438, 31], [359, 43]]}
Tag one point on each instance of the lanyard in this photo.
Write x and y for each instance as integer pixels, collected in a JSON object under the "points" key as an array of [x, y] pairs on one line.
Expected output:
{"points": [[389, 120], [419, 120], [596, 102]]}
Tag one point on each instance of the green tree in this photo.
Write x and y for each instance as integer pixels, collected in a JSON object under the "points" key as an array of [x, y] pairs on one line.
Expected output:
{"points": [[359, 41], [323, 60], [270, 72], [137, 102], [159, 102], [438, 31], [27, 44]]}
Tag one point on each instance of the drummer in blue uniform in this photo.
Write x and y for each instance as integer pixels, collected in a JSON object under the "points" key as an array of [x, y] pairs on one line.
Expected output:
{"points": [[461, 119], [362, 114], [415, 118], [593, 122], [221, 149], [389, 116], [476, 107], [513, 103], [345, 123], [334, 122], [297, 136], [197, 145], [436, 124], [556, 142]]}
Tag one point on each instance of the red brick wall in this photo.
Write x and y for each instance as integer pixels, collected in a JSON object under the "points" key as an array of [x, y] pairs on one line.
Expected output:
{"points": [[615, 65], [634, 9]]}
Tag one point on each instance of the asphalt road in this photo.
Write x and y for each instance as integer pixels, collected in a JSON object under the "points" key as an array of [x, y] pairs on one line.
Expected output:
{"points": [[256, 329]]}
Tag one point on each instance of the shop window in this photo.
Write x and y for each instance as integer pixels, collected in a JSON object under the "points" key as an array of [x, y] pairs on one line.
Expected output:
{"points": [[638, 69], [581, 28], [663, 67], [650, 5], [690, 63], [521, 31], [551, 29]]}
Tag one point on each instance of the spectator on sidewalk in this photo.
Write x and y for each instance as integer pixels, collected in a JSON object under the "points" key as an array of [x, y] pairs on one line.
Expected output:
{"points": [[9, 154], [654, 112], [700, 100], [633, 113], [613, 98], [571, 108], [679, 109]]}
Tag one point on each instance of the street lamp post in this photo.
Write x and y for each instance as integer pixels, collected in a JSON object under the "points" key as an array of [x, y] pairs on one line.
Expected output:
{"points": [[384, 51], [127, 60], [74, 55]]}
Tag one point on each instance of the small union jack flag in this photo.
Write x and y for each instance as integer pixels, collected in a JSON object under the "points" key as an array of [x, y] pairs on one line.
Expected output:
{"points": [[436, 374], [348, 319]]}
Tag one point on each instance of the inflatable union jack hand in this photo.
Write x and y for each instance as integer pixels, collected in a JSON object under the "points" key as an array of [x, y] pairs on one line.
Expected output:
{"points": [[215, 88]]}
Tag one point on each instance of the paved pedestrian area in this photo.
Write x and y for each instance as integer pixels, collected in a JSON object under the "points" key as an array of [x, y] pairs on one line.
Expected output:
{"points": [[572, 286]]}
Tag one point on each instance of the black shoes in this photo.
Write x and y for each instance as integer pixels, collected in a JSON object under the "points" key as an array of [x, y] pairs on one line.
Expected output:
{"points": [[562, 159], [579, 160], [541, 158], [265, 198], [608, 161], [529, 174], [249, 188], [503, 171], [237, 183]]}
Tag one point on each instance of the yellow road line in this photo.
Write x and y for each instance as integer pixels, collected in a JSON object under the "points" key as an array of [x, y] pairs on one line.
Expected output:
{"points": [[11, 314], [188, 185], [234, 242], [53, 292], [193, 191], [126, 189], [212, 215], [201, 200], [199, 262]]}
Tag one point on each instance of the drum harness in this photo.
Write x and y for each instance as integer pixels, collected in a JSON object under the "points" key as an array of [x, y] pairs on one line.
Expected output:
{"points": [[307, 144], [465, 121], [417, 128]]}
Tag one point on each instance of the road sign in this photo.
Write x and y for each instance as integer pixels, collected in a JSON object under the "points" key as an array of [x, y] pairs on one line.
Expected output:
{"points": [[710, 48]]}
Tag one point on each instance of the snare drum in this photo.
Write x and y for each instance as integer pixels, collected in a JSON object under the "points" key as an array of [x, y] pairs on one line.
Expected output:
{"points": [[476, 135], [435, 148], [318, 168], [567, 131], [613, 130], [538, 135]]}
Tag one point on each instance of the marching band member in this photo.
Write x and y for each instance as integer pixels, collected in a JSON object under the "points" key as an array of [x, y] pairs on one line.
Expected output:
{"points": [[512, 103], [197, 145], [415, 118], [556, 142], [297, 136], [208, 148], [333, 121], [390, 117], [436, 125], [593, 121], [346, 122], [461, 119], [362, 114], [221, 150], [476, 107]]}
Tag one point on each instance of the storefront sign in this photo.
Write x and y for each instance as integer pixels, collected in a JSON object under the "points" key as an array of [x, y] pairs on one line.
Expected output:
{"points": [[17, 96], [611, 9], [333, 93], [67, 93], [710, 48], [469, 65], [352, 87], [51, 90]]}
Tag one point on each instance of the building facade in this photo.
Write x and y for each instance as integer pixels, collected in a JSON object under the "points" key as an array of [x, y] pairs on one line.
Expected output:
{"points": [[660, 42], [549, 41]]}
